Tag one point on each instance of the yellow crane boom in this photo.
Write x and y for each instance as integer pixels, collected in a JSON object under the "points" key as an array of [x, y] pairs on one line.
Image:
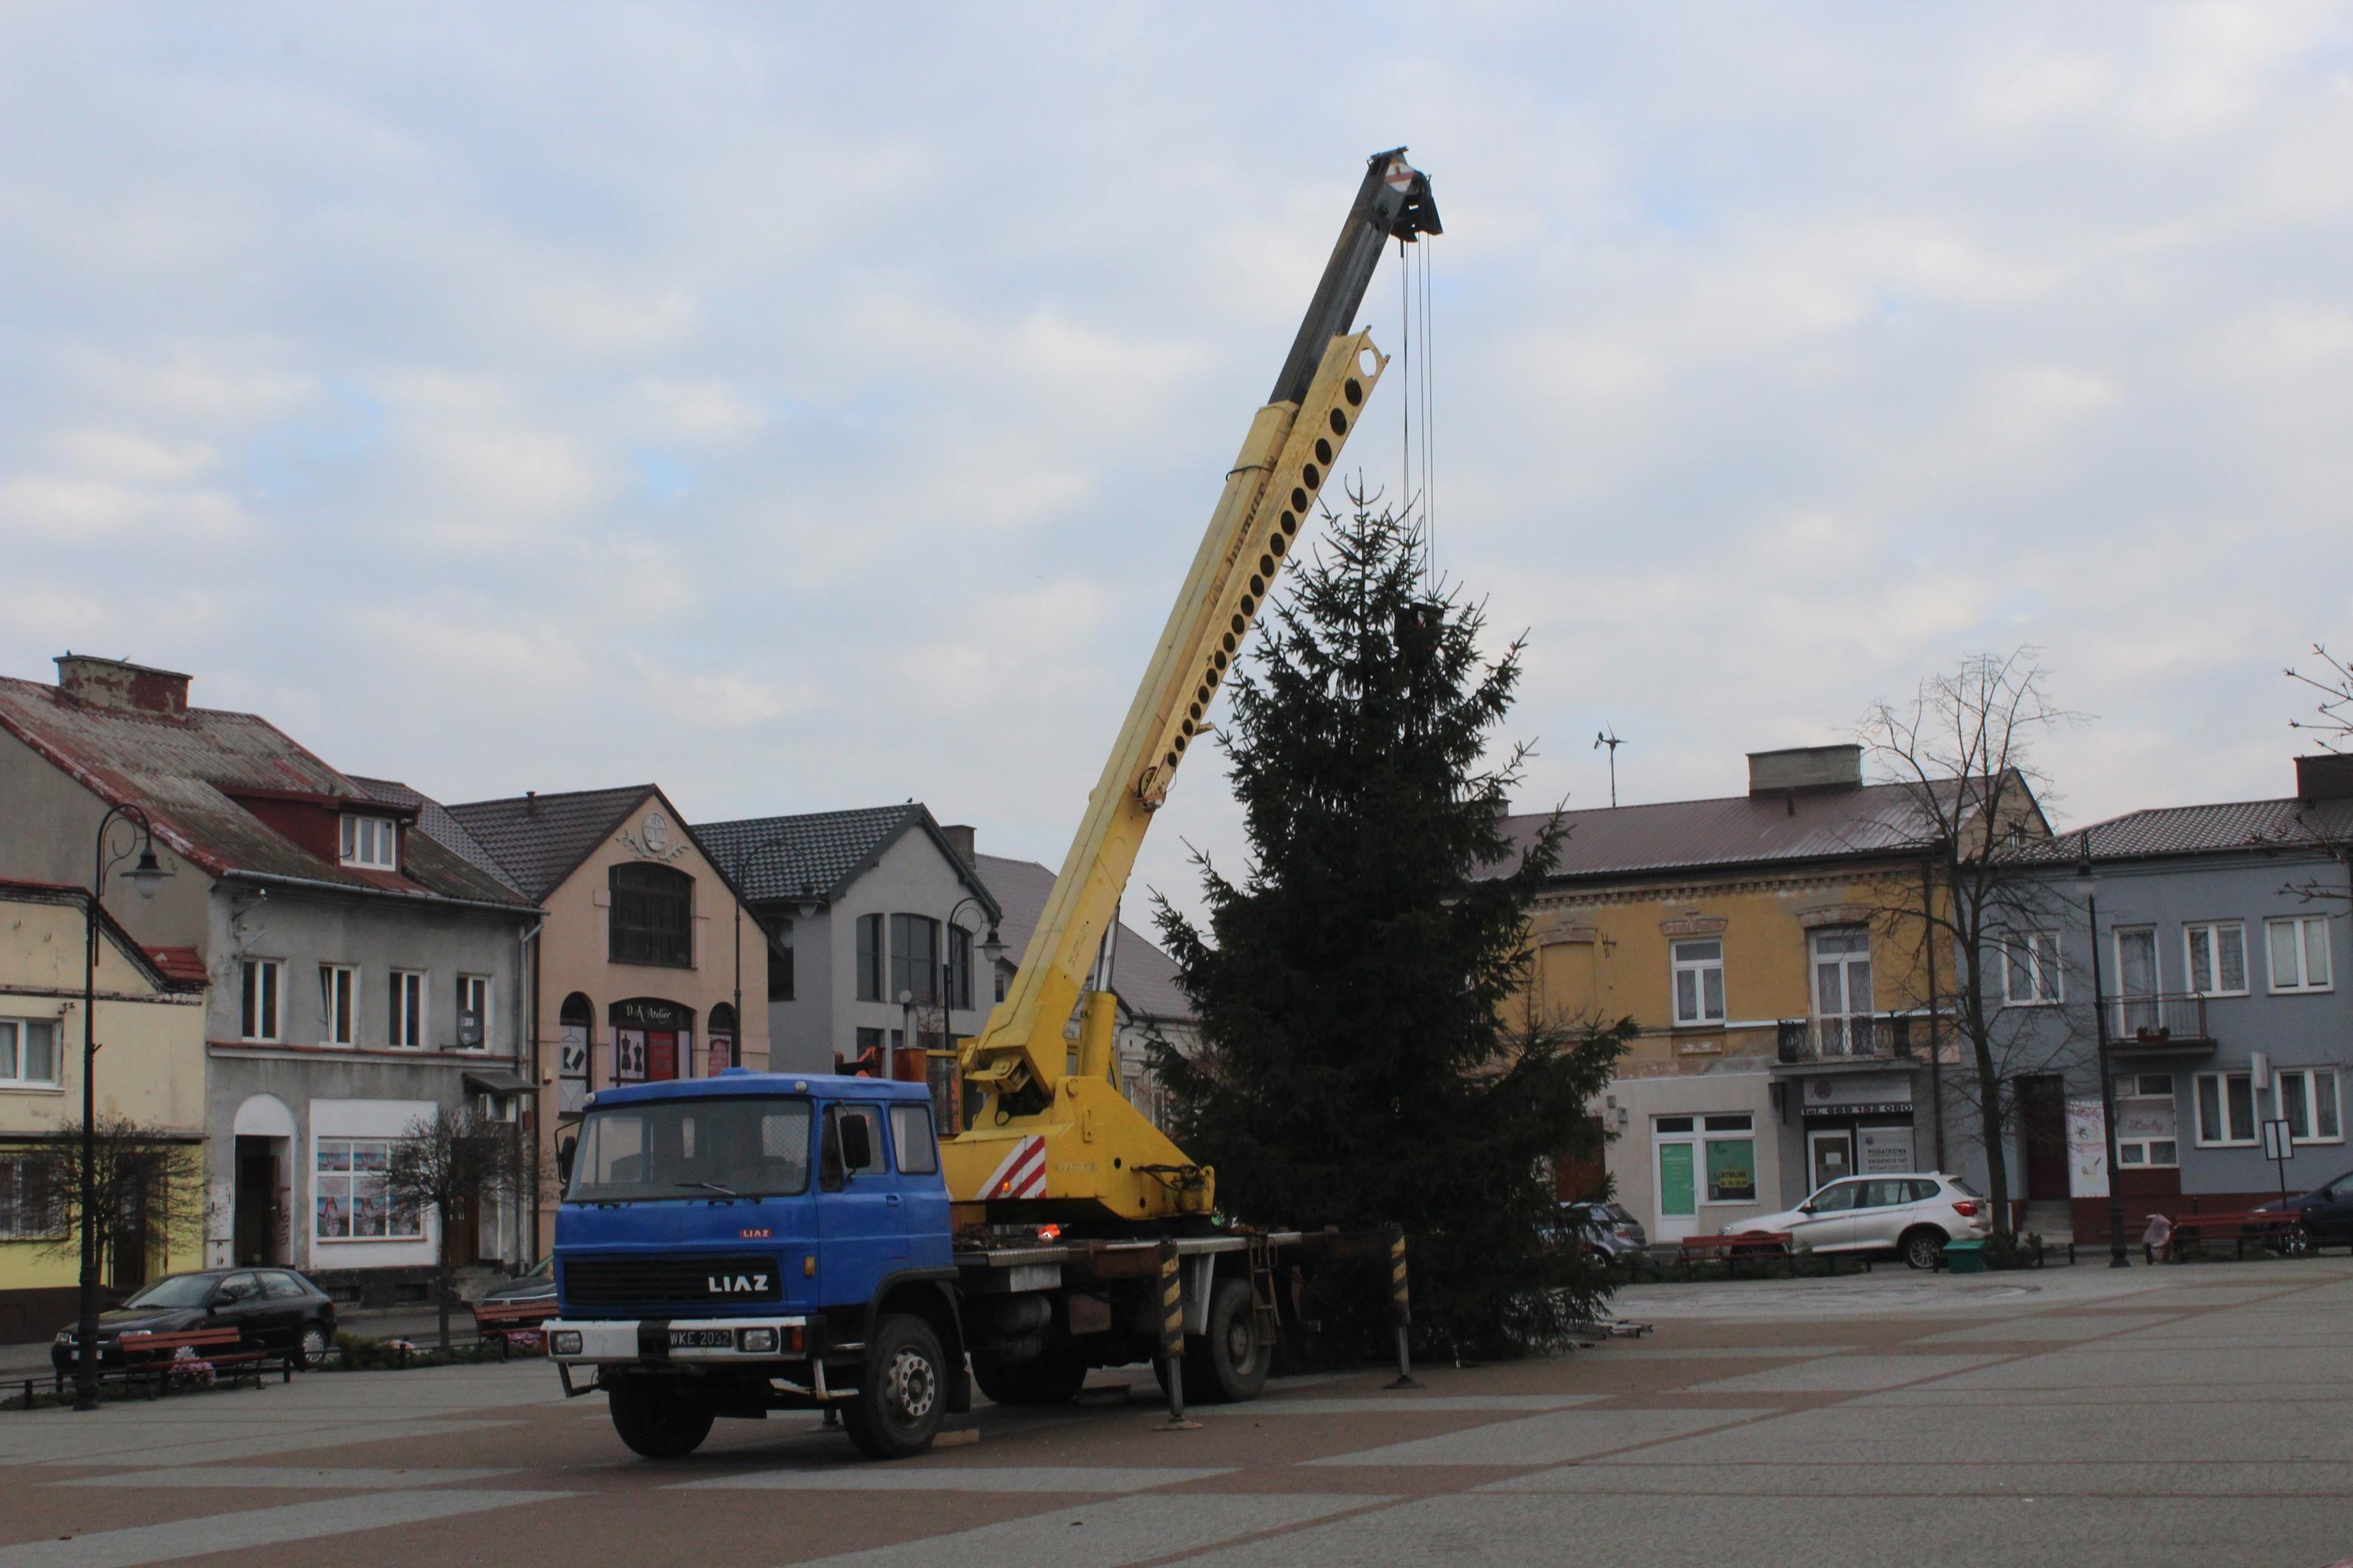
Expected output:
{"points": [[1049, 1142]]}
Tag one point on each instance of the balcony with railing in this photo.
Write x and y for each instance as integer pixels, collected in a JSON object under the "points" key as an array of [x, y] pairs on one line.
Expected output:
{"points": [[2167, 1021], [1876, 1037]]}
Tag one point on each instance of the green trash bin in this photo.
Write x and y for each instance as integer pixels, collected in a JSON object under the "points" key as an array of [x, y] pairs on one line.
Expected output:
{"points": [[1965, 1256]]}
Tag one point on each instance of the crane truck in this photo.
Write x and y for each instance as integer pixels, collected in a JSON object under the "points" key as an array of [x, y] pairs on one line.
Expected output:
{"points": [[753, 1242]]}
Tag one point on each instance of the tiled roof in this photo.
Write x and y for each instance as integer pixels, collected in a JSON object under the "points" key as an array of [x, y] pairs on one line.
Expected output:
{"points": [[1732, 830], [538, 840], [813, 856], [180, 769], [1144, 976], [2307, 826], [435, 820], [183, 966], [148, 960]]}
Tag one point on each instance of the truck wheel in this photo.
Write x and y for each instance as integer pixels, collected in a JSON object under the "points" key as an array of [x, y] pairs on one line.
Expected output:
{"points": [[1048, 1379], [656, 1421], [903, 1393], [1227, 1365]]}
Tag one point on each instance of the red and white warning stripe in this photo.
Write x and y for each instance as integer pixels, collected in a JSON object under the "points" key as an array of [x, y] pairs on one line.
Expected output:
{"points": [[1023, 1174]]}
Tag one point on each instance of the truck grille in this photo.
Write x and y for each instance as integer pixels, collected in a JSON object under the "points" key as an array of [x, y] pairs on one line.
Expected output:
{"points": [[700, 1282]]}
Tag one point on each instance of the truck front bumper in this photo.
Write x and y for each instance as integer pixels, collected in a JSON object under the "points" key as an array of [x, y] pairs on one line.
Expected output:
{"points": [[705, 1342]]}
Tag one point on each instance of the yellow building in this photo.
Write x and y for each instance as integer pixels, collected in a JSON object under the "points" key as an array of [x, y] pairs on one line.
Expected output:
{"points": [[1789, 1005], [149, 1024]]}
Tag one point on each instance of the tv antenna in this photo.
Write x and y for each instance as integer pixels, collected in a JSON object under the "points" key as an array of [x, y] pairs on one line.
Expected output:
{"points": [[1608, 737]]}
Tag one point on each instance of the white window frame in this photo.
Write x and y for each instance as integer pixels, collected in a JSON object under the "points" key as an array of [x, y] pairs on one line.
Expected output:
{"points": [[2311, 1076], [2041, 955], [481, 984], [2213, 930], [327, 1009], [249, 1021], [2221, 1082], [2302, 982], [2140, 1153], [1678, 966], [12, 1065], [370, 843], [323, 1185], [412, 991]]}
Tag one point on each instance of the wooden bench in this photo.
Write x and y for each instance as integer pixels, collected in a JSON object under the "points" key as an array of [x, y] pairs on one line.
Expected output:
{"points": [[150, 1359], [1731, 1249], [2255, 1224]]}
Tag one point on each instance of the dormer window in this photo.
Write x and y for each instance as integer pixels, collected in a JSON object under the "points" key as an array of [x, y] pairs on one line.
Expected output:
{"points": [[368, 842]]}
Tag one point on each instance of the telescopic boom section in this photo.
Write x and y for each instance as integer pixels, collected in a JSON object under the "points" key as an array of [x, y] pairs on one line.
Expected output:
{"points": [[1054, 1138]]}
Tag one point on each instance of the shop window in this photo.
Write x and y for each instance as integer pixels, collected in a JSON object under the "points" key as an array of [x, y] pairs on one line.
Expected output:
{"points": [[1699, 981], [31, 1206], [2217, 951], [348, 1197], [652, 916], [28, 1052], [2307, 1102], [2226, 1107], [1731, 1159]]}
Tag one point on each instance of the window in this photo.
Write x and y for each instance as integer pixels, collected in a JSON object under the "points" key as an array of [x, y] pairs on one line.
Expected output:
{"points": [[348, 1198], [2144, 1086], [653, 916], [831, 1170], [780, 961], [2030, 969], [870, 958], [2226, 1107], [911, 1130], [959, 967], [1731, 1161], [1843, 990], [2146, 1134], [30, 1204], [2307, 1102], [473, 1011], [2152, 1152], [407, 1008], [2217, 951], [1699, 981], [28, 1053], [283, 1287], [258, 1013], [370, 841], [870, 1040], [1837, 1199], [2137, 982], [339, 1005], [682, 1148], [2299, 948], [915, 959]]}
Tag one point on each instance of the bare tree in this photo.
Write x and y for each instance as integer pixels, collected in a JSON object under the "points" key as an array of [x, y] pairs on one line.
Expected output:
{"points": [[2332, 723], [150, 1188], [456, 1166], [2320, 827], [1962, 749]]}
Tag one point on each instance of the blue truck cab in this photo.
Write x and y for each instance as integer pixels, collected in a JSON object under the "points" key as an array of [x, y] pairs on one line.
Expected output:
{"points": [[751, 1242]]}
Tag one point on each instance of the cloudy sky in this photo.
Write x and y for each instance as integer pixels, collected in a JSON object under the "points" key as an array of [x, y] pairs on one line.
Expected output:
{"points": [[814, 407]]}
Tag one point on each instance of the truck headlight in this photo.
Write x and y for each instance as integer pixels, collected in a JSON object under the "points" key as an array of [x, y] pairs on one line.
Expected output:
{"points": [[565, 1341], [757, 1341]]}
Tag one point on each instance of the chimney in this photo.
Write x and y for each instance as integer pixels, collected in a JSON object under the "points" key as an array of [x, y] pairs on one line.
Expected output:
{"points": [[531, 803], [1805, 770], [119, 686], [2327, 776], [959, 838]]}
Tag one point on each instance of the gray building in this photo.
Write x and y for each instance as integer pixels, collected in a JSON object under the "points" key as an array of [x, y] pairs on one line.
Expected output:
{"points": [[877, 924], [362, 975], [2222, 945]]}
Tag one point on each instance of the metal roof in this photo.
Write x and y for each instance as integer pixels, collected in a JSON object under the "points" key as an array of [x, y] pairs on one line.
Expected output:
{"points": [[2309, 826], [815, 855], [179, 770], [1144, 977], [538, 840]]}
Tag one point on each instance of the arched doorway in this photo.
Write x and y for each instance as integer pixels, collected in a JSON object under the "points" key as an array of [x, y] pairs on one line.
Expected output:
{"points": [[724, 1053], [653, 1039], [262, 1206], [574, 1021]]}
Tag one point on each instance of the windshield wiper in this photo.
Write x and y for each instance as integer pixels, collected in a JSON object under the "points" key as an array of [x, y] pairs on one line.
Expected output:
{"points": [[712, 1186]]}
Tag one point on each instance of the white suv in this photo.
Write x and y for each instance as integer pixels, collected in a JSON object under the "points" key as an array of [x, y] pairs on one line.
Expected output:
{"points": [[1913, 1215]]}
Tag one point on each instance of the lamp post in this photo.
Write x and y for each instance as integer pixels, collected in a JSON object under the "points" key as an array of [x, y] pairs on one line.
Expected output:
{"points": [[991, 949], [2088, 886], [146, 876]]}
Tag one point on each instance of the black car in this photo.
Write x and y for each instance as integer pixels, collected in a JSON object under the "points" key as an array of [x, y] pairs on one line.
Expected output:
{"points": [[271, 1309], [2327, 1210]]}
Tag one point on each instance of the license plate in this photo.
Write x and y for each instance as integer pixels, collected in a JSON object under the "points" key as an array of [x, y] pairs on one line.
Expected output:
{"points": [[702, 1339]]}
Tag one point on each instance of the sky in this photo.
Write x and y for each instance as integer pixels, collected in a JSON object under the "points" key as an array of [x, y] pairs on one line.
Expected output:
{"points": [[817, 407]]}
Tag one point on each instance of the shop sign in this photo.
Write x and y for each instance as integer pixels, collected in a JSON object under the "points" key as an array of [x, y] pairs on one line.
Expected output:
{"points": [[1883, 1150], [2087, 1149]]}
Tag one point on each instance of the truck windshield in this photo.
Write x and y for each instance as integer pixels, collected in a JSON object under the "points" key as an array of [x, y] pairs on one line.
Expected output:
{"points": [[693, 1149]]}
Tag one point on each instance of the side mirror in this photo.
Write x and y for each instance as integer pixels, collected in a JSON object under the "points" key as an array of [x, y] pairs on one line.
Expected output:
{"points": [[856, 1145], [1805, 1208]]}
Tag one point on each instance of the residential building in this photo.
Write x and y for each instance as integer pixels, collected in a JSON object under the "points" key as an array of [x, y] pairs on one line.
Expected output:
{"points": [[362, 977], [1770, 950], [640, 971], [1143, 978], [2222, 952], [149, 1018], [875, 917]]}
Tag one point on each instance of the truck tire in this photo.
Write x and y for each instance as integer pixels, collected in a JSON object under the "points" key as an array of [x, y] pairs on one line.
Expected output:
{"points": [[1227, 1365], [1048, 1379], [656, 1420], [903, 1393]]}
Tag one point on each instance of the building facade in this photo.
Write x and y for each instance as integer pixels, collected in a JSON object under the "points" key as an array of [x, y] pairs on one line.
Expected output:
{"points": [[150, 1021], [360, 977], [641, 971]]}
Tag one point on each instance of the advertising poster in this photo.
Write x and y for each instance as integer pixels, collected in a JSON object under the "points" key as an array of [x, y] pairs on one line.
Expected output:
{"points": [[2087, 1149]]}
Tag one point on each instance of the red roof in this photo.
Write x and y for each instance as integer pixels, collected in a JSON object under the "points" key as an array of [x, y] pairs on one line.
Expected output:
{"points": [[180, 965]]}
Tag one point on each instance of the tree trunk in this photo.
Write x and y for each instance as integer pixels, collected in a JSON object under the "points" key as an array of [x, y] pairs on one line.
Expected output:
{"points": [[1989, 1123], [442, 1276]]}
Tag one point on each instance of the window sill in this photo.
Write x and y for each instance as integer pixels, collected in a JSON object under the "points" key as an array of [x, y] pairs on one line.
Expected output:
{"points": [[688, 964], [2229, 1144], [2034, 1001], [32, 1089], [2300, 990]]}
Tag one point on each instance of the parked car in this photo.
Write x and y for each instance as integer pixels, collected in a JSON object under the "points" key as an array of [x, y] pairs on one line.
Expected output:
{"points": [[1604, 1229], [271, 1309], [529, 1287], [2327, 1210], [1913, 1215]]}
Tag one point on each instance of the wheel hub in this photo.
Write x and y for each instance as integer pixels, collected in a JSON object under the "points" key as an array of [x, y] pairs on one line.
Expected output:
{"points": [[1242, 1344], [912, 1385]]}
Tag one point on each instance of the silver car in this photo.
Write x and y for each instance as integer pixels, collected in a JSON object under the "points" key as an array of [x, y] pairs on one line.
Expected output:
{"points": [[1913, 1215]]}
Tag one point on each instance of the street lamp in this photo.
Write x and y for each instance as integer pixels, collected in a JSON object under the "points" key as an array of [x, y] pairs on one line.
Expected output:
{"points": [[147, 875], [991, 949], [2088, 887]]}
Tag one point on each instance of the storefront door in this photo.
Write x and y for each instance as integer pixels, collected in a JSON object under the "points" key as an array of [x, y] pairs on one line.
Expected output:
{"points": [[1678, 1188], [1828, 1156]]}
